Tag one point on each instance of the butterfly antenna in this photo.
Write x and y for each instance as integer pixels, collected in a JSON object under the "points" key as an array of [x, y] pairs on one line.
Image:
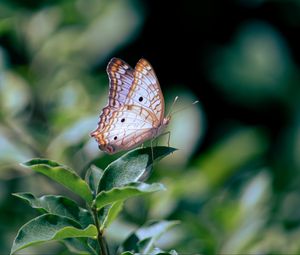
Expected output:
{"points": [[185, 107], [171, 108]]}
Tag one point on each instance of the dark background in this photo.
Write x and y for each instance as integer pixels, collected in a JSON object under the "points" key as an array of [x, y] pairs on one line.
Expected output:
{"points": [[180, 37]]}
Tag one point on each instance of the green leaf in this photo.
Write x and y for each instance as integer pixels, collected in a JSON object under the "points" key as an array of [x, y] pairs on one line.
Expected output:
{"points": [[171, 252], [49, 227], [59, 205], [93, 176], [144, 238], [155, 229], [146, 245], [156, 251], [79, 246], [152, 232], [62, 175], [122, 193], [131, 167], [130, 244], [113, 212]]}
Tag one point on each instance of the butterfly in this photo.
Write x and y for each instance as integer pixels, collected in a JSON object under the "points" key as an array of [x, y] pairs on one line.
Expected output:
{"points": [[135, 109]]}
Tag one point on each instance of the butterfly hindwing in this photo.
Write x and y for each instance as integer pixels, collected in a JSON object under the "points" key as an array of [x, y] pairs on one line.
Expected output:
{"points": [[129, 126]]}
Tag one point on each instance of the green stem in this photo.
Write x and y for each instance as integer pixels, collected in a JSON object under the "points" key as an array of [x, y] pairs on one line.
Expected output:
{"points": [[100, 238]]}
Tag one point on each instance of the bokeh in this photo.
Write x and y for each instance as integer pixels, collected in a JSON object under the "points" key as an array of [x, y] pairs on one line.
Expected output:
{"points": [[234, 182]]}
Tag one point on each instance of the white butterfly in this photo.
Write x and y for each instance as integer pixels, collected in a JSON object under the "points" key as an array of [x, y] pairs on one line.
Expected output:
{"points": [[135, 109]]}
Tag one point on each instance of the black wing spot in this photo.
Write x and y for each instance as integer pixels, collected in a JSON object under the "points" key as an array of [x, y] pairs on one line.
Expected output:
{"points": [[115, 138], [122, 120], [141, 99]]}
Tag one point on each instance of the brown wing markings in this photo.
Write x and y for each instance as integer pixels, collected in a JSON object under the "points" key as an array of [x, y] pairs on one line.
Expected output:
{"points": [[135, 138], [143, 69], [120, 75], [121, 89], [146, 70], [148, 116], [112, 116]]}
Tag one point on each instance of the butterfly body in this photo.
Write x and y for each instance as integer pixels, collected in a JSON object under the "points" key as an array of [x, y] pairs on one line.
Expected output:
{"points": [[135, 109]]}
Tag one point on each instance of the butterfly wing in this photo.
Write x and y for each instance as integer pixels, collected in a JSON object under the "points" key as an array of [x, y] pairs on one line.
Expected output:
{"points": [[120, 76], [145, 90], [135, 107], [128, 127], [120, 81]]}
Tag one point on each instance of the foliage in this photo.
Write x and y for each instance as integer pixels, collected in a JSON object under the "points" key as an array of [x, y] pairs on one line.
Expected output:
{"points": [[62, 218], [234, 184]]}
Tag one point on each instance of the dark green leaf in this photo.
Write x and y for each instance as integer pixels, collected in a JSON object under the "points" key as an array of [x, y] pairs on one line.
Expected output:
{"points": [[156, 251], [130, 244], [146, 245], [62, 175], [155, 229], [49, 227], [79, 246], [93, 176], [131, 167], [150, 233], [113, 212], [122, 193], [172, 252], [59, 205], [102, 214], [144, 238]]}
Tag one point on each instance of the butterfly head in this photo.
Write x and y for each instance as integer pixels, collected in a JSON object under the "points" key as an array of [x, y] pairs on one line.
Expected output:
{"points": [[166, 120]]}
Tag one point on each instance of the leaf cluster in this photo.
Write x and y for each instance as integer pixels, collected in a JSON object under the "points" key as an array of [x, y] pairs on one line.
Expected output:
{"points": [[82, 230]]}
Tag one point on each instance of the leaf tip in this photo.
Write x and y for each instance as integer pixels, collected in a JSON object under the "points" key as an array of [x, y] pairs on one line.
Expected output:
{"points": [[15, 194], [24, 164], [30, 162]]}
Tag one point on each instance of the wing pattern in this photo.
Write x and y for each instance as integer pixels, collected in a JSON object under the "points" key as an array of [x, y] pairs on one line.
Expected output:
{"points": [[120, 80], [145, 90], [135, 108]]}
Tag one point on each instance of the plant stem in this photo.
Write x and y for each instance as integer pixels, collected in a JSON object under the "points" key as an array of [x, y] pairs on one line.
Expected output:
{"points": [[100, 238]]}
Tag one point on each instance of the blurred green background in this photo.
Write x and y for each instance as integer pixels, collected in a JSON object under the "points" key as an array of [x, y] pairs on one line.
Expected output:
{"points": [[234, 183]]}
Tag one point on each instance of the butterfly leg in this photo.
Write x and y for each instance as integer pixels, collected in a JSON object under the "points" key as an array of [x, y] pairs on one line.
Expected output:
{"points": [[151, 144], [169, 136]]}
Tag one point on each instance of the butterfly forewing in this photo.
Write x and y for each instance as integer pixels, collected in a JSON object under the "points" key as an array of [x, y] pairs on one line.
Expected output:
{"points": [[145, 90], [120, 81]]}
